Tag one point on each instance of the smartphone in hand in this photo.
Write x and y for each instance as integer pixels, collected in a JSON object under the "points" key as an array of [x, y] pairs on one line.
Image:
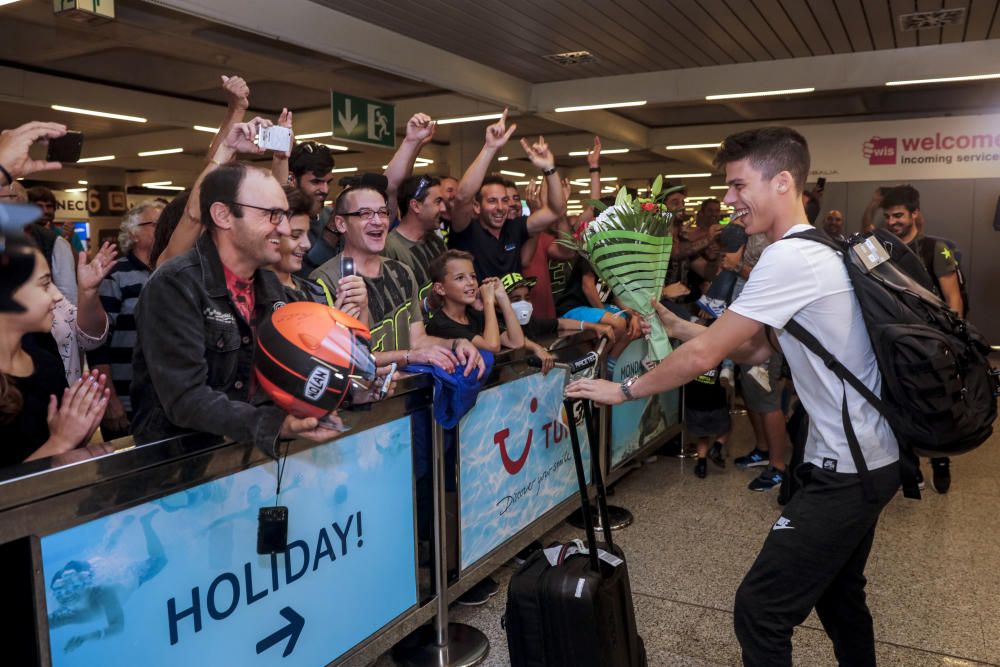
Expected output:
{"points": [[66, 148], [346, 266], [275, 138]]}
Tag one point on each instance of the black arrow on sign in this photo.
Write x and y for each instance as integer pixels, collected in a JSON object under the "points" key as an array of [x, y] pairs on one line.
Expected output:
{"points": [[292, 630]]}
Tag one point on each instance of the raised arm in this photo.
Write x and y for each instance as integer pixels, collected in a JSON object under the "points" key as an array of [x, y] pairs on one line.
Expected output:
{"points": [[239, 140], [419, 131], [91, 318], [497, 135], [868, 217], [15, 144], [541, 156], [237, 102], [279, 161], [594, 164]]}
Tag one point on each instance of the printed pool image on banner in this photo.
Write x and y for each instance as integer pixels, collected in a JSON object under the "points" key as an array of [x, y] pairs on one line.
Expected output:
{"points": [[635, 424], [178, 581], [515, 461]]}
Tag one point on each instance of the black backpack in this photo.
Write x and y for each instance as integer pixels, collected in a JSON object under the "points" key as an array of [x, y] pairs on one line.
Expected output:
{"points": [[938, 388], [927, 244]]}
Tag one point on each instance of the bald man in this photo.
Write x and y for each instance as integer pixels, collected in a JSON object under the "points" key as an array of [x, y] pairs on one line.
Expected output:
{"points": [[833, 225]]}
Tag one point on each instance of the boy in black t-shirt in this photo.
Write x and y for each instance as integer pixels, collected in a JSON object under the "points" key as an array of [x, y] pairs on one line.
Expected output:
{"points": [[455, 290]]}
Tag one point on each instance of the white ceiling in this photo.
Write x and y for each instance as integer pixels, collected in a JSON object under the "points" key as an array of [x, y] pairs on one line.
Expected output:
{"points": [[162, 60]]}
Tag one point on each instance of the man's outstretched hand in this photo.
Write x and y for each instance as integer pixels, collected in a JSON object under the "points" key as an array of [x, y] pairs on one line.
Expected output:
{"points": [[15, 144]]}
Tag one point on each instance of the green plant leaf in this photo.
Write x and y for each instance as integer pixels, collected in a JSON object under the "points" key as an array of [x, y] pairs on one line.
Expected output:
{"points": [[623, 198], [657, 186], [597, 204]]}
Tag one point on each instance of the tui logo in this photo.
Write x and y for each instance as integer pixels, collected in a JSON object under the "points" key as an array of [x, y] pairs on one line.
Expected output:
{"points": [[513, 466]]}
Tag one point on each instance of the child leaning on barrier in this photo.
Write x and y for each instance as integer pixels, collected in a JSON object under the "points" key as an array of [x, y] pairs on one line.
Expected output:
{"points": [[518, 289], [454, 290]]}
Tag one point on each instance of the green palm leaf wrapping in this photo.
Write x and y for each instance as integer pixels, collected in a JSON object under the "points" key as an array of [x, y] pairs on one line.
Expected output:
{"points": [[634, 265]]}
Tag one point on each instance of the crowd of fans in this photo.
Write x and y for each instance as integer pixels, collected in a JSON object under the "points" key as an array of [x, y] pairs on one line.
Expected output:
{"points": [[438, 268]]}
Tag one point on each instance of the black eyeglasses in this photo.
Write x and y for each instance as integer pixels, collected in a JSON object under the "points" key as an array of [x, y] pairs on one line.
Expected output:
{"points": [[423, 185], [274, 215], [368, 214]]}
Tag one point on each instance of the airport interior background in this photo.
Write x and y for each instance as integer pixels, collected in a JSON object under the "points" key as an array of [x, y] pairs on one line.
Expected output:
{"points": [[886, 92]]}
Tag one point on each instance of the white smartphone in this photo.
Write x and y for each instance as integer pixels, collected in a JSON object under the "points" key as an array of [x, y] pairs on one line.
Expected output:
{"points": [[275, 138]]}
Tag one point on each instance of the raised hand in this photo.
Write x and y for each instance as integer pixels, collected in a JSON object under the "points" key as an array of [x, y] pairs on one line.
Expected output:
{"points": [[539, 153], [242, 137], [285, 120], [420, 128], [15, 143], [533, 195], [594, 154], [237, 92], [90, 273], [567, 189], [498, 133]]}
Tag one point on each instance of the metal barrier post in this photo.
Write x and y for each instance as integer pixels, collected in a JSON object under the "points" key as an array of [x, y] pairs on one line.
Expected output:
{"points": [[444, 644]]}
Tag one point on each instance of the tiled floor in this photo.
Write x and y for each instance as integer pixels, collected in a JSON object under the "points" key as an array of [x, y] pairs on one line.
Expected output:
{"points": [[934, 574]]}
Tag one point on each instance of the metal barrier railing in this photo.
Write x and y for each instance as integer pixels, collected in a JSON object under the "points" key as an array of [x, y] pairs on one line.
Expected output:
{"points": [[194, 499]]}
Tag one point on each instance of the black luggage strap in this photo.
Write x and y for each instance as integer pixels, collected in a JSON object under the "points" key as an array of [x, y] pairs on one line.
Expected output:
{"points": [[588, 519], [595, 465], [910, 489]]}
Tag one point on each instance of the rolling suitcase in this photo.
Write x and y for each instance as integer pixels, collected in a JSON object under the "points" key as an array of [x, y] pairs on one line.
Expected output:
{"points": [[577, 612]]}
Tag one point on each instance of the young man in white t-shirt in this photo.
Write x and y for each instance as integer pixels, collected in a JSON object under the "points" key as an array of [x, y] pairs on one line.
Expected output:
{"points": [[815, 554]]}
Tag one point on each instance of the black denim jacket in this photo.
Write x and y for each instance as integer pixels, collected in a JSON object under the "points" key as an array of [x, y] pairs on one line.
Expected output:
{"points": [[194, 358]]}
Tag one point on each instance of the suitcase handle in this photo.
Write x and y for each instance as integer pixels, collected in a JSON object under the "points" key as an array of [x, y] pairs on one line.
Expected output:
{"points": [[595, 464], [581, 478]]}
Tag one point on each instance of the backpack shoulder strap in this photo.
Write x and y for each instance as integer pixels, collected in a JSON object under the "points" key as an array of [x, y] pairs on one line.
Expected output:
{"points": [[831, 362], [819, 237], [926, 245]]}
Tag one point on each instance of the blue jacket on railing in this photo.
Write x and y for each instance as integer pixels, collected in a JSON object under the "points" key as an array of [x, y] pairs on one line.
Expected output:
{"points": [[454, 393]]}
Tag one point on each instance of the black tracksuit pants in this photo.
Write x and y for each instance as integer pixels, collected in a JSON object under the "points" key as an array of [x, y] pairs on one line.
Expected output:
{"points": [[815, 556]]}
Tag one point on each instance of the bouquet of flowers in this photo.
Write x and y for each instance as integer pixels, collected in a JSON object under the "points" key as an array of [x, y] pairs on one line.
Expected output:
{"points": [[629, 244]]}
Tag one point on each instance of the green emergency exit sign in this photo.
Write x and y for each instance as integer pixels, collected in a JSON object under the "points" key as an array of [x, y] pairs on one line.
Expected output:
{"points": [[363, 121]]}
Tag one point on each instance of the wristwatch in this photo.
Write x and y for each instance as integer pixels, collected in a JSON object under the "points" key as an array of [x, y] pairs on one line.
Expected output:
{"points": [[626, 386], [549, 171]]}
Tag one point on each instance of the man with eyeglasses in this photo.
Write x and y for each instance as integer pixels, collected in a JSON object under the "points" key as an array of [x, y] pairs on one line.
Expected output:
{"points": [[120, 291], [197, 317], [393, 313], [415, 241], [480, 224]]}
